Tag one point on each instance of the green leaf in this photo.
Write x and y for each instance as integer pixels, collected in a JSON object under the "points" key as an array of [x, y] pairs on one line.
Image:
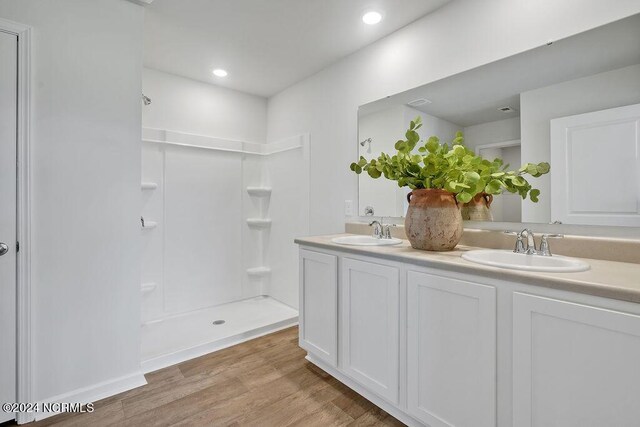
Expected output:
{"points": [[464, 197], [412, 136], [519, 181], [534, 195], [493, 187], [472, 177], [374, 173], [433, 143], [544, 167]]}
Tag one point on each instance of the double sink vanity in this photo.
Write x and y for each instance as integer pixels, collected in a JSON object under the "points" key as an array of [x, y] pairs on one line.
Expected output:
{"points": [[480, 335], [474, 337]]}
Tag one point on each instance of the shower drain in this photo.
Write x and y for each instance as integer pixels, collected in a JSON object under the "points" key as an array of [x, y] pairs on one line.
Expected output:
{"points": [[218, 322]]}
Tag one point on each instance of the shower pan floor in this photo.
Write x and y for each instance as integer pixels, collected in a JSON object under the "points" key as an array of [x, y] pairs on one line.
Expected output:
{"points": [[183, 337]]}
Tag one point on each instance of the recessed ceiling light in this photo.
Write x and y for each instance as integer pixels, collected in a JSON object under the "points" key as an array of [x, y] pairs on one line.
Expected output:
{"points": [[371, 18], [219, 72]]}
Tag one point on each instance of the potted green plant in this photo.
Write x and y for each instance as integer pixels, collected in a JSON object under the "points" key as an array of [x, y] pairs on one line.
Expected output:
{"points": [[478, 208], [442, 178]]}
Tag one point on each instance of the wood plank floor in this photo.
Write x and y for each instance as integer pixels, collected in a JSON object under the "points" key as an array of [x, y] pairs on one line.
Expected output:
{"points": [[264, 382]]}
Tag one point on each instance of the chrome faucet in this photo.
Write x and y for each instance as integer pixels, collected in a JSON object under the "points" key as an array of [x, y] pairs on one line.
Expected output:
{"points": [[519, 249], [531, 243], [378, 229], [381, 231], [544, 244]]}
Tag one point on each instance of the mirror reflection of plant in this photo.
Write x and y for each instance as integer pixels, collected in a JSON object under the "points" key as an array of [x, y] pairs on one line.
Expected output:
{"points": [[456, 169]]}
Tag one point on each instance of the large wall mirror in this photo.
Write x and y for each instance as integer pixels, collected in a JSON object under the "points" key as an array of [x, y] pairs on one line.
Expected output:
{"points": [[574, 103]]}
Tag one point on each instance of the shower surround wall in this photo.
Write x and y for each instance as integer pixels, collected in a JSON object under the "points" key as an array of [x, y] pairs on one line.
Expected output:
{"points": [[208, 254]]}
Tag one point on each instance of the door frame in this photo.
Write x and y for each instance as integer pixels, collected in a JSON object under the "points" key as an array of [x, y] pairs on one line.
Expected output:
{"points": [[24, 382]]}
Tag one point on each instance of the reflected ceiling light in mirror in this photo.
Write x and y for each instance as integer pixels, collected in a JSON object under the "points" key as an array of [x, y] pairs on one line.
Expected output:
{"points": [[219, 72], [372, 17]]}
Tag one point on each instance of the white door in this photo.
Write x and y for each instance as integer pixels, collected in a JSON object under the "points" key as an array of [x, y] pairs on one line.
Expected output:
{"points": [[369, 325], [574, 365], [451, 351], [595, 167], [318, 333], [8, 118]]}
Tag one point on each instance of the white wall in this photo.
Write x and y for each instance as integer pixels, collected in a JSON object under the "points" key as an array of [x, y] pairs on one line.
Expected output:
{"points": [[599, 92], [185, 105], [492, 132], [325, 105], [85, 159]]}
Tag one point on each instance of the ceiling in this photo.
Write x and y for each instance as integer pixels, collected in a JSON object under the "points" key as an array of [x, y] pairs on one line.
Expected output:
{"points": [[473, 97], [265, 45]]}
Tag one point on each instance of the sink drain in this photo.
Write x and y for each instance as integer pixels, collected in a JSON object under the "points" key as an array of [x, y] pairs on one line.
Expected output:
{"points": [[218, 322]]}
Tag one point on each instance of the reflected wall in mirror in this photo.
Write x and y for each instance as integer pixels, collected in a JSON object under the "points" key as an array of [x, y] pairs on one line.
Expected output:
{"points": [[574, 103]]}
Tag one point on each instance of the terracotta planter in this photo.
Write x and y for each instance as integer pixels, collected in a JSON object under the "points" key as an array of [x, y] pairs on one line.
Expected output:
{"points": [[434, 220], [478, 209]]}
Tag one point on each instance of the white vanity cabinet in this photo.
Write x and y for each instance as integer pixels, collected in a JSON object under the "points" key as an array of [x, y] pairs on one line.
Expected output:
{"points": [[318, 316], [574, 364], [369, 325], [451, 351], [436, 347]]}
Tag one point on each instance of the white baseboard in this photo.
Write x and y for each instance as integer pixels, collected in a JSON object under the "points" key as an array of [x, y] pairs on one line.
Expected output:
{"points": [[96, 392], [170, 359]]}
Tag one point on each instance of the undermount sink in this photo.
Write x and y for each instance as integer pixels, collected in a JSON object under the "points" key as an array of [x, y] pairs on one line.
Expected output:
{"points": [[515, 261], [365, 241]]}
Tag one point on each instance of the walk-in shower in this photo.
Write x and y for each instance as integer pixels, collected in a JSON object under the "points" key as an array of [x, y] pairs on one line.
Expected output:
{"points": [[219, 263]]}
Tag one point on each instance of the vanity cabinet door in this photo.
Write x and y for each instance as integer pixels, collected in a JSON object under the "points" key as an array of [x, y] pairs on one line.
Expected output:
{"points": [[369, 326], [574, 364], [318, 330], [451, 351]]}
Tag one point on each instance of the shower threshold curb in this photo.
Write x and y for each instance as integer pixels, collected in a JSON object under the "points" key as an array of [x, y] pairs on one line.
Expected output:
{"points": [[180, 356]]}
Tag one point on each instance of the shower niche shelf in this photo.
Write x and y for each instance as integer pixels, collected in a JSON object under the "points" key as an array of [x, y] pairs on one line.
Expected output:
{"points": [[148, 186], [148, 225], [146, 288], [259, 222], [259, 191], [258, 271]]}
